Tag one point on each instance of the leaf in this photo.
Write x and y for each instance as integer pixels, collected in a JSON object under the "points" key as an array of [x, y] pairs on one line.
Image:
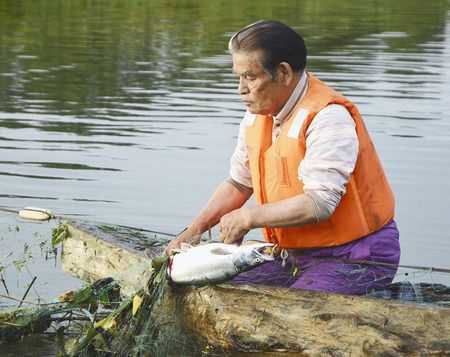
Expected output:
{"points": [[59, 234], [83, 295], [108, 324], [67, 296], [158, 262], [137, 301]]}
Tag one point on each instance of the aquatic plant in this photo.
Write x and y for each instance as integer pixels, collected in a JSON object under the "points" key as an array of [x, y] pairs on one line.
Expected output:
{"points": [[75, 305], [130, 329], [59, 233]]}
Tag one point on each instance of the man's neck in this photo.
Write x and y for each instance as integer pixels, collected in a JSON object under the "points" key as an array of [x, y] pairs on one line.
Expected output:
{"points": [[298, 90]]}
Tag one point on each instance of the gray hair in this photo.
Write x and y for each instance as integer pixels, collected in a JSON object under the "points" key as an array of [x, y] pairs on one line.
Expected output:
{"points": [[277, 42]]}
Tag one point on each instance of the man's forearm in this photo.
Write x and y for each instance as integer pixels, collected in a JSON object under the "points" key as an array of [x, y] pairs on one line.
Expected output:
{"points": [[291, 212], [225, 198]]}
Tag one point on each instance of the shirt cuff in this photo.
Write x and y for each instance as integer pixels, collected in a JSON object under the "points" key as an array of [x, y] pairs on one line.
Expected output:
{"points": [[248, 191], [322, 208]]}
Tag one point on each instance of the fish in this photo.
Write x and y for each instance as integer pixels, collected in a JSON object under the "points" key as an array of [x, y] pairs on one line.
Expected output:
{"points": [[215, 262]]}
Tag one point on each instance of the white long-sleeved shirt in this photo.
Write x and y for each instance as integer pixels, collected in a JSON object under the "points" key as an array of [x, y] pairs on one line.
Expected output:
{"points": [[331, 152]]}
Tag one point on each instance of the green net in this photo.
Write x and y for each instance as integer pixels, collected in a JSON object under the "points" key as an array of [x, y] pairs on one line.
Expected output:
{"points": [[112, 317]]}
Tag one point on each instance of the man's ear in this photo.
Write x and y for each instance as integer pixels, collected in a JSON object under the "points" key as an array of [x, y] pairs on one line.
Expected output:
{"points": [[286, 72]]}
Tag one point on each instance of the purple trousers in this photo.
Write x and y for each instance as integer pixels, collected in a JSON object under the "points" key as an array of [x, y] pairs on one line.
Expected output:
{"points": [[325, 269]]}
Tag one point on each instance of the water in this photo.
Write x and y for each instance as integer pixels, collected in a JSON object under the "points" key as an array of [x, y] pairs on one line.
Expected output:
{"points": [[126, 111]]}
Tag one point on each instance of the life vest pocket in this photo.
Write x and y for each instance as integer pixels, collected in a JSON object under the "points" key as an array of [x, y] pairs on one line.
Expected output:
{"points": [[282, 170]]}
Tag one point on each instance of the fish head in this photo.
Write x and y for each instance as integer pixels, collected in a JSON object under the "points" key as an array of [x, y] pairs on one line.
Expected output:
{"points": [[247, 257]]}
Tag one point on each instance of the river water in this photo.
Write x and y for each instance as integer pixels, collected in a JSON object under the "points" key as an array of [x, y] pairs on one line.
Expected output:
{"points": [[127, 111]]}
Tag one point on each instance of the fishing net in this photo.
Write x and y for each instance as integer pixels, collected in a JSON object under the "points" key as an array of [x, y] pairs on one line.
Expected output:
{"points": [[120, 315], [80, 305], [102, 319]]}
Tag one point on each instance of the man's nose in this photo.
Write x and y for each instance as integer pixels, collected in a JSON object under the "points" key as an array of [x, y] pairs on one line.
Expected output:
{"points": [[243, 87]]}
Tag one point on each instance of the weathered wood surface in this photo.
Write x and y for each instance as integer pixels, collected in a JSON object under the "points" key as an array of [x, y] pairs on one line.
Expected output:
{"points": [[95, 251], [228, 317], [255, 318]]}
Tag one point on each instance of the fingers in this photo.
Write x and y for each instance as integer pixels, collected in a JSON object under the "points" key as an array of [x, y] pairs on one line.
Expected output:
{"points": [[232, 238], [225, 234], [231, 234], [176, 242], [171, 246], [224, 239], [221, 235], [232, 228]]}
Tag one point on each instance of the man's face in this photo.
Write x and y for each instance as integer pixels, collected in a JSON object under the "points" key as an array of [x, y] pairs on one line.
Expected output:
{"points": [[259, 92]]}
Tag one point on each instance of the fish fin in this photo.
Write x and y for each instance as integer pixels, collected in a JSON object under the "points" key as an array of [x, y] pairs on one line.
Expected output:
{"points": [[220, 251]]}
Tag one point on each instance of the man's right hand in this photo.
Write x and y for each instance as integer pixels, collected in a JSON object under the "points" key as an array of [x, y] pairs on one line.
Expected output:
{"points": [[184, 237], [226, 198]]}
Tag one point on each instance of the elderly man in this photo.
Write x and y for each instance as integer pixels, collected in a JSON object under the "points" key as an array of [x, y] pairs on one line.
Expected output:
{"points": [[303, 151]]}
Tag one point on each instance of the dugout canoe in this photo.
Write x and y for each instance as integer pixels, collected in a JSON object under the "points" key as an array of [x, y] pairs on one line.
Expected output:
{"points": [[227, 318]]}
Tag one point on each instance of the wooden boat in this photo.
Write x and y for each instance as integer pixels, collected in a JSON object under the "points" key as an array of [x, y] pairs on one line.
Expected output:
{"points": [[245, 318]]}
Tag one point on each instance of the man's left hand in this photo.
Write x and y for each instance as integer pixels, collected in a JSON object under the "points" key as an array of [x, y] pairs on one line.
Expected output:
{"points": [[233, 226]]}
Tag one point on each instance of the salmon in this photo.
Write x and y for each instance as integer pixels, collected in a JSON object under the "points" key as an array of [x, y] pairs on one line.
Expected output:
{"points": [[215, 262]]}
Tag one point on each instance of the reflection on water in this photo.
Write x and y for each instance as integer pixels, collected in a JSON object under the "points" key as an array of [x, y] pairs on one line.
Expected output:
{"points": [[127, 112]]}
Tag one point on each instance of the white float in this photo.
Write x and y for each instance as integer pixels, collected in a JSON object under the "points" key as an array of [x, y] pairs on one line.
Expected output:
{"points": [[35, 213]]}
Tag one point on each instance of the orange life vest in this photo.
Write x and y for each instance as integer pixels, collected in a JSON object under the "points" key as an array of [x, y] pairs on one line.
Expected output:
{"points": [[368, 203]]}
